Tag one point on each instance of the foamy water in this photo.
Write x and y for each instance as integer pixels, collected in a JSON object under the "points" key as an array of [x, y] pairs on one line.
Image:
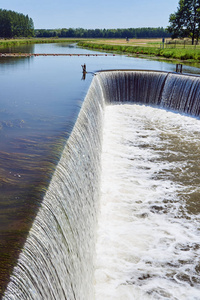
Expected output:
{"points": [[148, 244]]}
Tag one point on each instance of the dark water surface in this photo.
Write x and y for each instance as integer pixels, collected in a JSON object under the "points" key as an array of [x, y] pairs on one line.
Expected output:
{"points": [[40, 98]]}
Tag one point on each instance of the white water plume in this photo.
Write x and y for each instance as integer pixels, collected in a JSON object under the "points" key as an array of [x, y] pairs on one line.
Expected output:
{"points": [[148, 238]]}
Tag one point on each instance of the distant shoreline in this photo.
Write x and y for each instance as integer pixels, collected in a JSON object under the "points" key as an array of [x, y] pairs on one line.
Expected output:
{"points": [[177, 50], [4, 43]]}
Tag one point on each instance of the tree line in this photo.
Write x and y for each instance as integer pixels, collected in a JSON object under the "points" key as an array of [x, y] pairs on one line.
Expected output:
{"points": [[185, 22], [146, 32], [13, 24]]}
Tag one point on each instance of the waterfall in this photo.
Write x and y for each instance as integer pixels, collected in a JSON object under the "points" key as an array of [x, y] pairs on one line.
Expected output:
{"points": [[168, 90], [182, 93], [133, 86], [56, 261]]}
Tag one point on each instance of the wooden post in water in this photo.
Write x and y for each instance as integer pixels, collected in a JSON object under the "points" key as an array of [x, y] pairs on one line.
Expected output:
{"points": [[179, 68]]}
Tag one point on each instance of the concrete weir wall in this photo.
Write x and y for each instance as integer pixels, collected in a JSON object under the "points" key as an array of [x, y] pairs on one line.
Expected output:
{"points": [[57, 259]]}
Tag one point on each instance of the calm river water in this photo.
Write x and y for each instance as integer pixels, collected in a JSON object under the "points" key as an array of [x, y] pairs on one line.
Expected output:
{"points": [[40, 98]]}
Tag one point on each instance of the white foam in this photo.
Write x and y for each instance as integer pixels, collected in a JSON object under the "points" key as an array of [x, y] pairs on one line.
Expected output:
{"points": [[148, 236]]}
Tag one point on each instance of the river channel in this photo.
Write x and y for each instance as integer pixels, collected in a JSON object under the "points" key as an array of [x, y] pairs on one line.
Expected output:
{"points": [[40, 98]]}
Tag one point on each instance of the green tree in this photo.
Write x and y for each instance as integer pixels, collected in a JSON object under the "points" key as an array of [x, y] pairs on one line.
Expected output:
{"points": [[186, 21], [13, 24], [104, 33]]}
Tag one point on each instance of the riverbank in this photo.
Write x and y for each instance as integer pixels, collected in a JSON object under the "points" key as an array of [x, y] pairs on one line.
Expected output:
{"points": [[151, 48], [4, 43]]}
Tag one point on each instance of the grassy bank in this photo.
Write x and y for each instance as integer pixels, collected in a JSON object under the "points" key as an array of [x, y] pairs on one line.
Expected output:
{"points": [[135, 47], [5, 43], [151, 49]]}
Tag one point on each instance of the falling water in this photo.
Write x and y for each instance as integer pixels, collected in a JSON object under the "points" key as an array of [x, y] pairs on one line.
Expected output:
{"points": [[57, 260], [182, 93], [168, 90], [133, 86]]}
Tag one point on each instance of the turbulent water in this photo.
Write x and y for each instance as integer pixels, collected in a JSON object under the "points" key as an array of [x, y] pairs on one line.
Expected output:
{"points": [[148, 235], [148, 243]]}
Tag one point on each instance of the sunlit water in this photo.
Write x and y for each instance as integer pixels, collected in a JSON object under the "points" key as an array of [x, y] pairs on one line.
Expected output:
{"points": [[40, 98], [148, 244]]}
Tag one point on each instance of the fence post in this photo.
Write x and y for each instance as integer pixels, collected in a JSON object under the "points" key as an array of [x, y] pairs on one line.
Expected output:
{"points": [[163, 42]]}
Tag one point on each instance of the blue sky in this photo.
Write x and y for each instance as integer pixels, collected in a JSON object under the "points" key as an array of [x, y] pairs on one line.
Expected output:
{"points": [[92, 14]]}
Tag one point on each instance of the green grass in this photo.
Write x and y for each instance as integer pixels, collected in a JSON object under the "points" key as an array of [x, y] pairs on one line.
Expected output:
{"points": [[169, 53], [189, 55], [4, 43]]}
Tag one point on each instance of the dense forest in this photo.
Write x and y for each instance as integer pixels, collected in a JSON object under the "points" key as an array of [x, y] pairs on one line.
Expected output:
{"points": [[146, 32], [13, 24]]}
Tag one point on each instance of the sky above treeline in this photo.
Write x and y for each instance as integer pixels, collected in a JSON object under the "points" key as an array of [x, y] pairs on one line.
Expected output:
{"points": [[91, 14]]}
